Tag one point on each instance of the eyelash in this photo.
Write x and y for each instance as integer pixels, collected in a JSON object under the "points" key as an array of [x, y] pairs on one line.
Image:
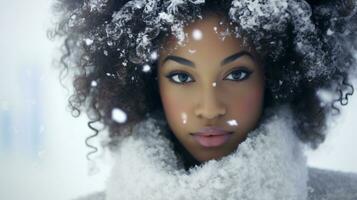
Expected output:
{"points": [[172, 74], [246, 75]]}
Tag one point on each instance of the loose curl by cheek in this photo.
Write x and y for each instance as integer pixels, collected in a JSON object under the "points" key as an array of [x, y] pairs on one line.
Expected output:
{"points": [[96, 50]]}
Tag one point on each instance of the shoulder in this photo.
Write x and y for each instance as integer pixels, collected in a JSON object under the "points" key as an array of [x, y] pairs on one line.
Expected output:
{"points": [[331, 185], [93, 196]]}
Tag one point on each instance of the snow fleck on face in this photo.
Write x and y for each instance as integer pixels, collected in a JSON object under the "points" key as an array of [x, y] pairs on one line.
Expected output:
{"points": [[197, 34], [119, 115], [184, 118], [215, 29], [192, 51], [94, 83], [146, 68], [232, 122], [214, 84]]}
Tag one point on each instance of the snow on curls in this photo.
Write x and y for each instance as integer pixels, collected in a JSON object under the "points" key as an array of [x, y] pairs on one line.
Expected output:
{"points": [[258, 17], [253, 14], [154, 16], [315, 38]]}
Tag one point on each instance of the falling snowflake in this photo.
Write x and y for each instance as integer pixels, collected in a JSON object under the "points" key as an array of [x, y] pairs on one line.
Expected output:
{"points": [[197, 34], [154, 56], [88, 41], [146, 68], [119, 115], [94, 83]]}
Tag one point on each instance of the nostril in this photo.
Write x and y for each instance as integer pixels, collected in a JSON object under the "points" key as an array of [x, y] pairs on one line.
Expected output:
{"points": [[210, 113], [209, 106]]}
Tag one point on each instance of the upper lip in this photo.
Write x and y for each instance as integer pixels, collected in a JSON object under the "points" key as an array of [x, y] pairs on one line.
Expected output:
{"points": [[208, 131]]}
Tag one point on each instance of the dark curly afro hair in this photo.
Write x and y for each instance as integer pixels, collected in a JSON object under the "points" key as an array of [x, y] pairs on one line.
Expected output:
{"points": [[305, 46]]}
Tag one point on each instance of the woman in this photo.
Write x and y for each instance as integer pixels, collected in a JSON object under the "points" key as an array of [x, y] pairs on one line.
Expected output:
{"points": [[212, 99]]}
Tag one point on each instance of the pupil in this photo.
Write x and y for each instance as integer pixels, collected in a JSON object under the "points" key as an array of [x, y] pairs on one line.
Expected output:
{"points": [[236, 75], [182, 77]]}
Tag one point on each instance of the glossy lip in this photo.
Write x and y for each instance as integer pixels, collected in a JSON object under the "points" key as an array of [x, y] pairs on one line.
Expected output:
{"points": [[211, 136]]}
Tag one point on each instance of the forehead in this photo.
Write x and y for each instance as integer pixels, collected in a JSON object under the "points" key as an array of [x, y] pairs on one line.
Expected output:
{"points": [[210, 36]]}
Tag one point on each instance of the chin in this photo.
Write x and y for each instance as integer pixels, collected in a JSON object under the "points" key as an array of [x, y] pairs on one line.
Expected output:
{"points": [[211, 155]]}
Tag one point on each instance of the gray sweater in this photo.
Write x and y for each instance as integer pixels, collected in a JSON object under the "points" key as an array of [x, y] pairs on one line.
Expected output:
{"points": [[332, 185], [322, 184]]}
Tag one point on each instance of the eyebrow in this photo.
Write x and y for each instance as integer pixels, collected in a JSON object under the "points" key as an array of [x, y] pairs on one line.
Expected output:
{"points": [[227, 60], [180, 60], [235, 56]]}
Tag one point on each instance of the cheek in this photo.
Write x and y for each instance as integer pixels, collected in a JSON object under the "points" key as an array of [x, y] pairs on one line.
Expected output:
{"points": [[171, 105], [252, 101], [247, 104], [175, 106]]}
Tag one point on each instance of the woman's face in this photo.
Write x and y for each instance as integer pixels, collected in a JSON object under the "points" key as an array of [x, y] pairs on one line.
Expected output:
{"points": [[212, 89]]}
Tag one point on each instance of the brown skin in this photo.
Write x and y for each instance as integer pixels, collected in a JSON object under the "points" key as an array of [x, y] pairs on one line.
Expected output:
{"points": [[210, 93]]}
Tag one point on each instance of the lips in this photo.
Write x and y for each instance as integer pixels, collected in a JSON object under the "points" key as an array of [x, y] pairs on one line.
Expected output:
{"points": [[212, 136]]}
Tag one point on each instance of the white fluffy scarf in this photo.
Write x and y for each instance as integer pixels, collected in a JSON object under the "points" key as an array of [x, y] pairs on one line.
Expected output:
{"points": [[268, 165]]}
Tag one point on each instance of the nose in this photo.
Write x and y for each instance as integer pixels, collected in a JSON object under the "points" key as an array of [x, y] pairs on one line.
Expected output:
{"points": [[209, 106]]}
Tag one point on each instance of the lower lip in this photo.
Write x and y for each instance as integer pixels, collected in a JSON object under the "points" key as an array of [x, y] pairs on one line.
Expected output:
{"points": [[212, 141]]}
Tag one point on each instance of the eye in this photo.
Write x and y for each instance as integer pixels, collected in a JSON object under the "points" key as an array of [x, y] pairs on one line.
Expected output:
{"points": [[179, 77], [238, 75]]}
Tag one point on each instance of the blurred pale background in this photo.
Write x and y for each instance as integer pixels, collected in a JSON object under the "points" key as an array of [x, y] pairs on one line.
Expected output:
{"points": [[42, 150]]}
